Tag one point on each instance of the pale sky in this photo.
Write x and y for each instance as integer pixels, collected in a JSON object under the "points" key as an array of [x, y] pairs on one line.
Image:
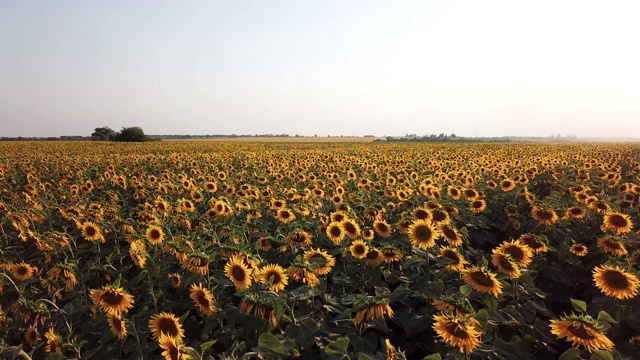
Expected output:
{"points": [[474, 68]]}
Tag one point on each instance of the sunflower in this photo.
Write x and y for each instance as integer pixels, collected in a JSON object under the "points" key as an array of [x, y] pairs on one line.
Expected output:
{"points": [[450, 234], [544, 216], [275, 276], [382, 228], [322, 261], [23, 271], [303, 273], [422, 214], [198, 264], [612, 245], [368, 234], [359, 249], [450, 306], [579, 250], [482, 280], [112, 299], [519, 252], [599, 206], [238, 273], [165, 323], [203, 299], [536, 244], [457, 332], [335, 231], [374, 257], [172, 348], [617, 222], [422, 233], [403, 225], [299, 238], [470, 194], [176, 280], [351, 228], [260, 307], [285, 216], [91, 232], [391, 254], [457, 260], [616, 282], [118, 327], [576, 212], [32, 336], [154, 235], [373, 311], [477, 206], [505, 264], [138, 253], [440, 216], [54, 342], [581, 330]]}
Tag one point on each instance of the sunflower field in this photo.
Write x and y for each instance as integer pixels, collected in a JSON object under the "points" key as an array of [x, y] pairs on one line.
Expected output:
{"points": [[230, 250]]}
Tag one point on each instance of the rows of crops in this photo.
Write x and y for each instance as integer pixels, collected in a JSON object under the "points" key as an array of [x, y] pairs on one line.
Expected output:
{"points": [[193, 250]]}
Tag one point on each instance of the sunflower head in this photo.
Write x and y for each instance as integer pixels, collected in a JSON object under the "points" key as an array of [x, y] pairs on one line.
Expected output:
{"points": [[165, 323], [616, 282], [581, 331]]}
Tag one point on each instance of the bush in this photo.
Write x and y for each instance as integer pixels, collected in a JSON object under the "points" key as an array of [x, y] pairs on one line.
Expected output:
{"points": [[131, 134]]}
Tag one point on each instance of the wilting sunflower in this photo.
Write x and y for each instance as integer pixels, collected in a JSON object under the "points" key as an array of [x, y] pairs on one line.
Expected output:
{"points": [[477, 206], [391, 254], [321, 260], [198, 264], [581, 331], [238, 273], [203, 299], [382, 228], [376, 310], [579, 249], [450, 306], [299, 238], [612, 245], [617, 222], [112, 299], [374, 257], [482, 280], [544, 216], [22, 271], [172, 348], [422, 233], [519, 252], [91, 232], [303, 273], [258, 306], [457, 331], [154, 235], [118, 327], [32, 336], [505, 263], [457, 260], [335, 232], [176, 280], [274, 275], [359, 249], [616, 282], [165, 323], [54, 342]]}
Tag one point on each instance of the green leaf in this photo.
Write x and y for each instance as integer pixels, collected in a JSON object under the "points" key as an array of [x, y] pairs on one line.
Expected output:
{"points": [[466, 290], [364, 357], [601, 355], [205, 346], [604, 316], [270, 342], [570, 354], [435, 356], [579, 305], [338, 347]]}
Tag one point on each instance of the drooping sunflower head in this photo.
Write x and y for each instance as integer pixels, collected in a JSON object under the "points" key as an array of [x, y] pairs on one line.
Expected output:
{"points": [[197, 263], [581, 331], [457, 331], [612, 245], [112, 299], [165, 323], [535, 243], [117, 325], [616, 282], [299, 239], [321, 261]]}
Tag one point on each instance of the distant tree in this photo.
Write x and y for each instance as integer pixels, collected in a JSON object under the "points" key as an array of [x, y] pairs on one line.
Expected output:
{"points": [[103, 134], [131, 134], [453, 136]]}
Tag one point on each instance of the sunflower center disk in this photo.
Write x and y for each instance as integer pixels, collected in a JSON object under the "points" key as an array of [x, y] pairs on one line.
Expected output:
{"points": [[616, 280]]}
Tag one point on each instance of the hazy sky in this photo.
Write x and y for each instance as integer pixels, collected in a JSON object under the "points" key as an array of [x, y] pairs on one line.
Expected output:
{"points": [[320, 67]]}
